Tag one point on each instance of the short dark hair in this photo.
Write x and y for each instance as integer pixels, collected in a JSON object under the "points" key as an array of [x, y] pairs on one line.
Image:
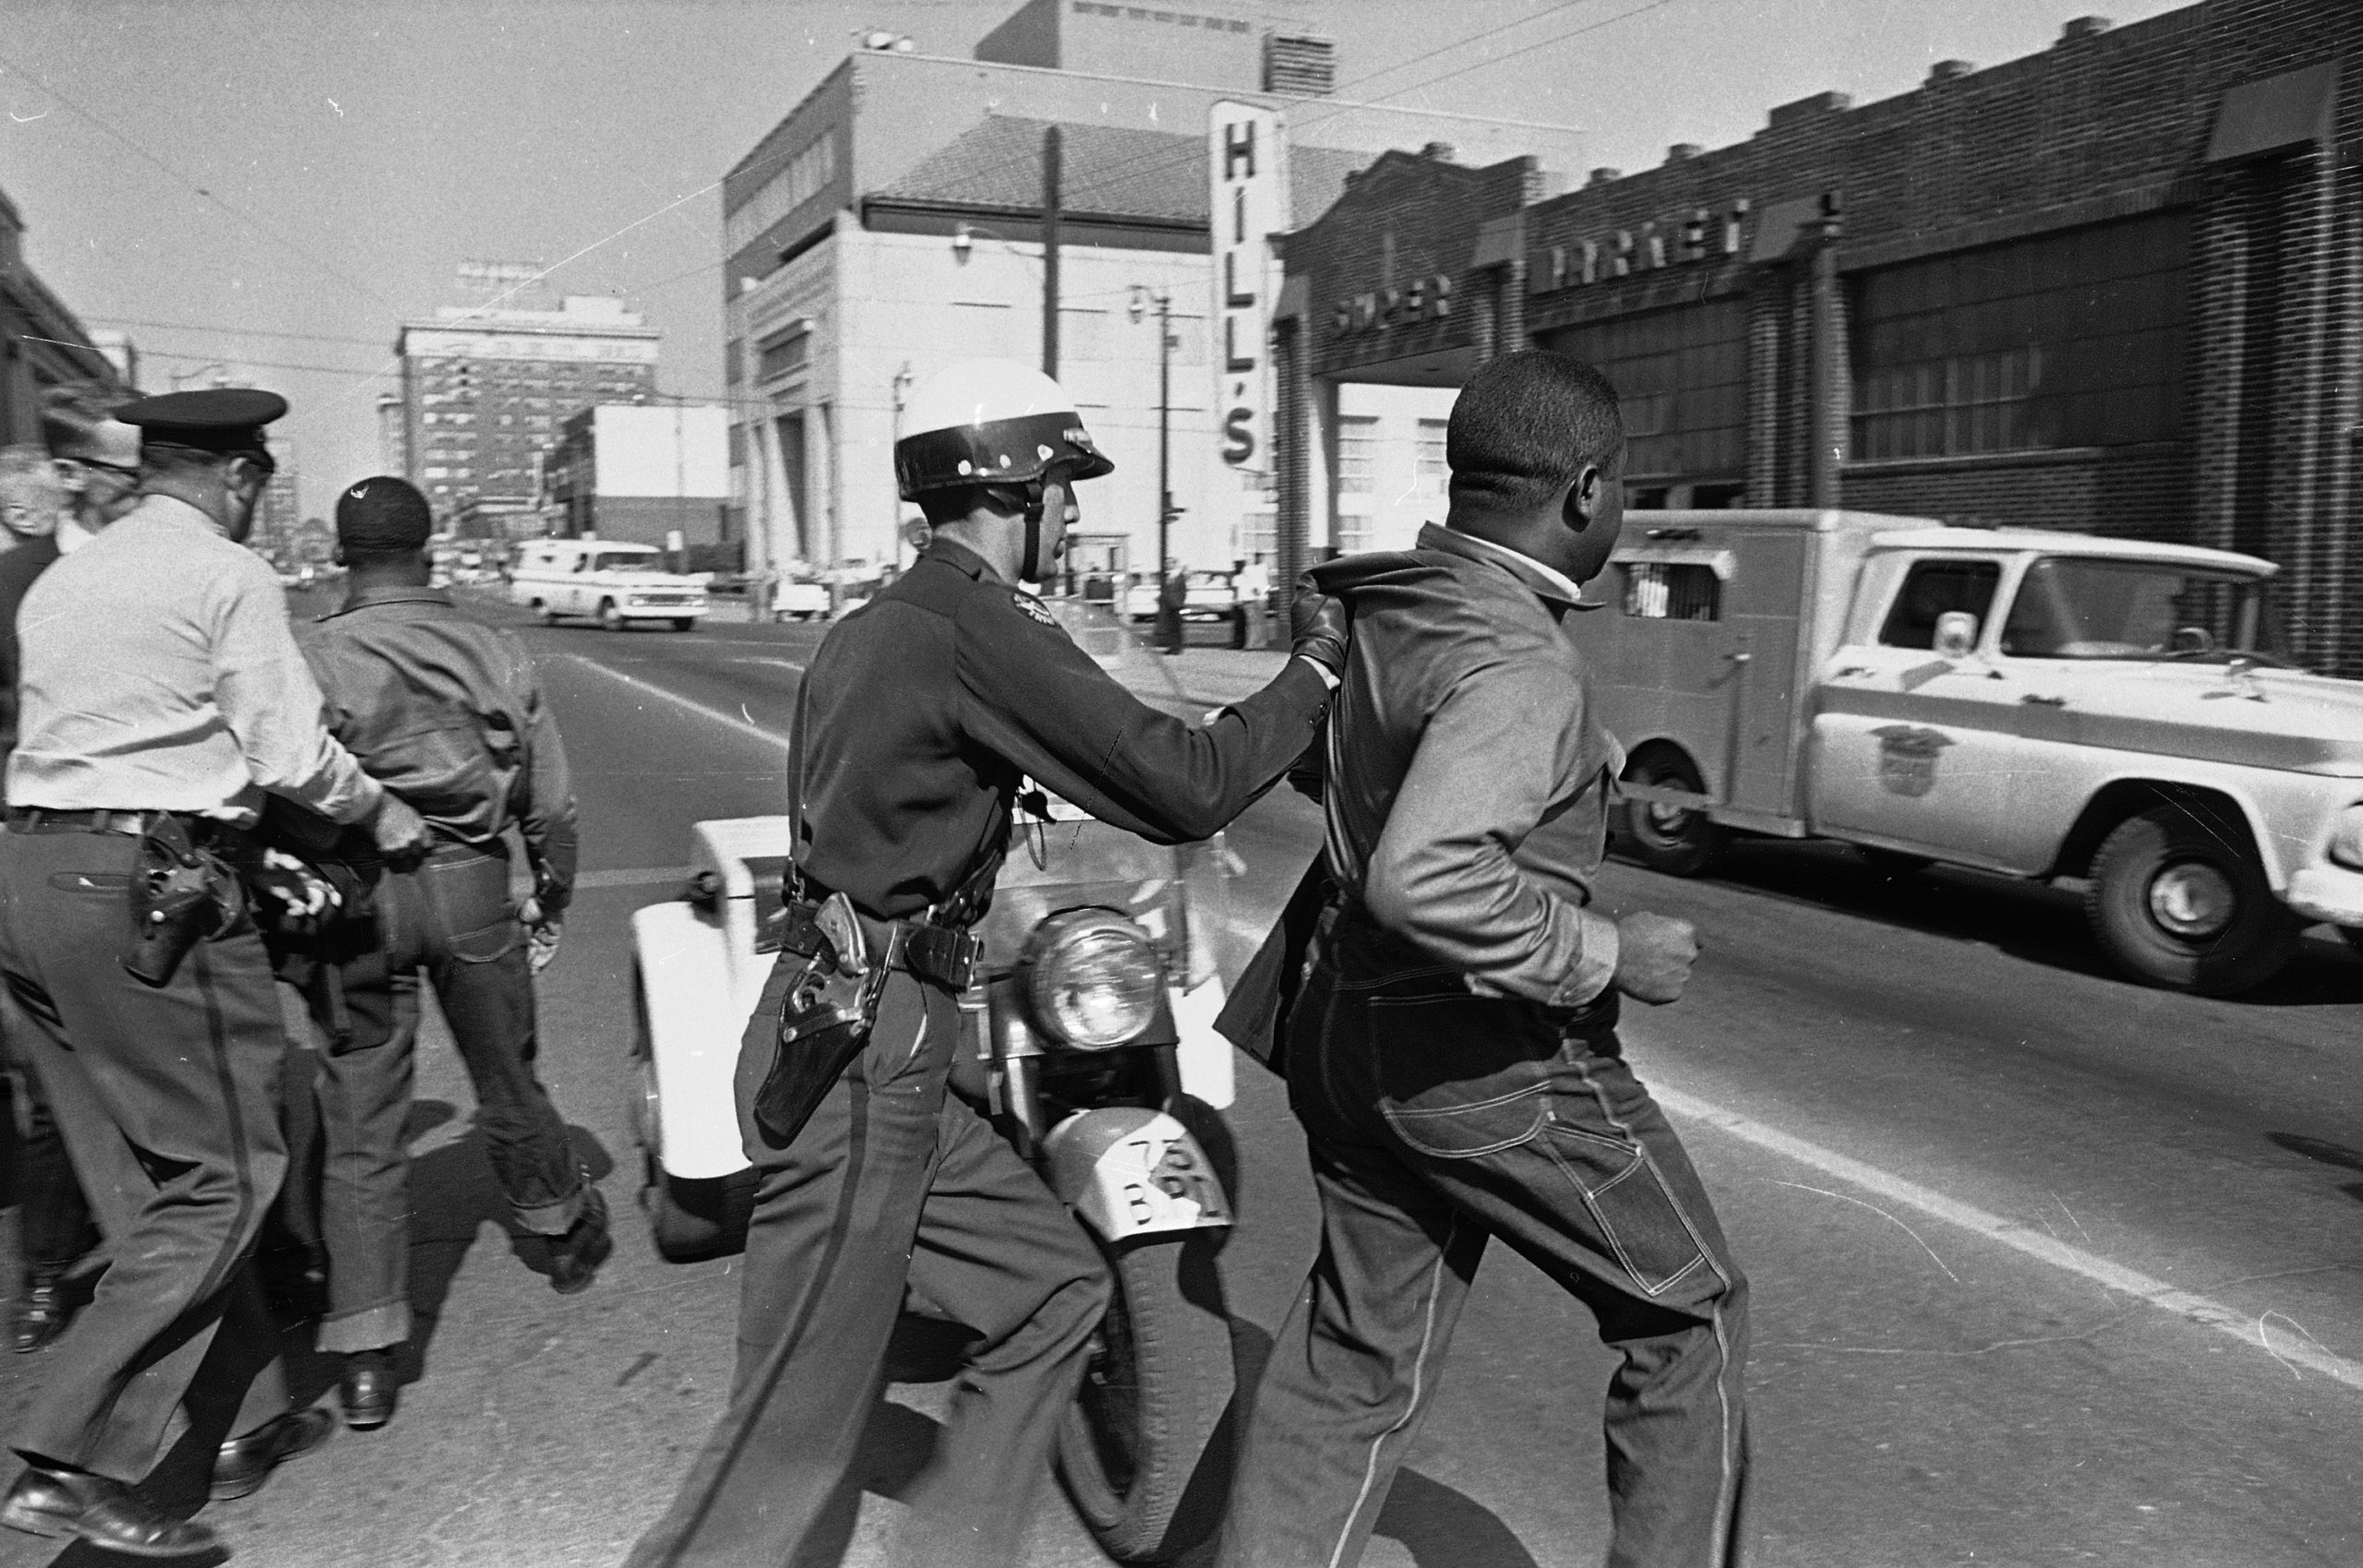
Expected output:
{"points": [[71, 411], [940, 506], [1528, 425], [383, 515]]}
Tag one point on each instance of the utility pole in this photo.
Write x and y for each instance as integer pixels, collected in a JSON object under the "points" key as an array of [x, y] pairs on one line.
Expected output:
{"points": [[1164, 420], [1052, 144]]}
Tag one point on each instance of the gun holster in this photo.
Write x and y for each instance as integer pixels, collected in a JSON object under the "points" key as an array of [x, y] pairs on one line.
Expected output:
{"points": [[180, 895], [825, 1019]]}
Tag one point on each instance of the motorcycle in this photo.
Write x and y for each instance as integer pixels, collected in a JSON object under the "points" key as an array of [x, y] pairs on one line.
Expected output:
{"points": [[1089, 1041]]}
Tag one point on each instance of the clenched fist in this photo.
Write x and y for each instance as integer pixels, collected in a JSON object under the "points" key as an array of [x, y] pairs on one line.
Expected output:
{"points": [[1654, 957]]}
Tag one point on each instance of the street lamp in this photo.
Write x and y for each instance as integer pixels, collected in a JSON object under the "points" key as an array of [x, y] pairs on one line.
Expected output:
{"points": [[1137, 310]]}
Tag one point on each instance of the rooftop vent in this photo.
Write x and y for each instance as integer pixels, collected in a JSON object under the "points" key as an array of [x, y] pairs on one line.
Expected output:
{"points": [[2085, 27], [1299, 65], [1605, 176], [1810, 108], [1949, 70], [1683, 152], [1439, 150]]}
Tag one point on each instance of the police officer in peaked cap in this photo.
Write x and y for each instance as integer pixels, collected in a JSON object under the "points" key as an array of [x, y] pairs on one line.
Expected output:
{"points": [[162, 698], [919, 716]]}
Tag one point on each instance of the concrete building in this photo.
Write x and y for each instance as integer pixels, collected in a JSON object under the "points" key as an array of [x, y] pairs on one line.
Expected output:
{"points": [[41, 343], [641, 475], [486, 385], [2115, 287], [893, 223]]}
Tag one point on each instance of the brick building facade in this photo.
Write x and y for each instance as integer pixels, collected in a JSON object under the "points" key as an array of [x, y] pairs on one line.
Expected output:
{"points": [[2115, 287]]}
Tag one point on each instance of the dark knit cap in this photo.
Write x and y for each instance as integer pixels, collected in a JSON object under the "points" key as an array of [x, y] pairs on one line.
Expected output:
{"points": [[382, 516]]}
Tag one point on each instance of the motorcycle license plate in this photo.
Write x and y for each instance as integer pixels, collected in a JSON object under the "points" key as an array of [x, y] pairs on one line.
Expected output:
{"points": [[1150, 1184]]}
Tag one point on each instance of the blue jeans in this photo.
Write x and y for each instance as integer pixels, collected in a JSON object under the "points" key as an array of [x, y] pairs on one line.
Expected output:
{"points": [[1436, 1119]]}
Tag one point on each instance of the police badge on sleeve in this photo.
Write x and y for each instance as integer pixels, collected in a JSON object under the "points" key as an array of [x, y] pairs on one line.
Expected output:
{"points": [[1032, 607]]}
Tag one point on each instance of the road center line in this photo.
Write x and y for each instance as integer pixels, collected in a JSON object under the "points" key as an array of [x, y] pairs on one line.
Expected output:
{"points": [[719, 715], [2034, 1244]]}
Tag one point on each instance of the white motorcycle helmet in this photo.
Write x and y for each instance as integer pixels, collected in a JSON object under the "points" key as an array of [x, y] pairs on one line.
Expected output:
{"points": [[999, 424]]}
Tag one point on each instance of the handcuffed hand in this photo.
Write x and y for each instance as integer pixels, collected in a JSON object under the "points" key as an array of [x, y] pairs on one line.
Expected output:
{"points": [[543, 933], [1654, 957], [400, 832], [298, 899], [1320, 624]]}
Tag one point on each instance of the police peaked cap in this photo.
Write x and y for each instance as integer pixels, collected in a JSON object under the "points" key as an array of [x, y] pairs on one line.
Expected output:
{"points": [[218, 419], [992, 421]]}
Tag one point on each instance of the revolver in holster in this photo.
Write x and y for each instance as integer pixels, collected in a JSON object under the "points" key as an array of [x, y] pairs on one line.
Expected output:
{"points": [[825, 1019], [180, 895]]}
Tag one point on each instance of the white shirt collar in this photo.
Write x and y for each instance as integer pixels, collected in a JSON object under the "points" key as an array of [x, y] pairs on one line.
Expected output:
{"points": [[1551, 574]]}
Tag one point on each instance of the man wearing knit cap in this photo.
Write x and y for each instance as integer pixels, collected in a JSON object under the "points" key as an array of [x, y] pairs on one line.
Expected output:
{"points": [[446, 713], [161, 699]]}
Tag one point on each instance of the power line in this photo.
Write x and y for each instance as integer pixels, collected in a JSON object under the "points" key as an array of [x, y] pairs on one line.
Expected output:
{"points": [[234, 332], [246, 217]]}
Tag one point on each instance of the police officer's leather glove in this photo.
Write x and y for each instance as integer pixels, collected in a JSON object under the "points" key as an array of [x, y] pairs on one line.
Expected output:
{"points": [[1321, 625]]}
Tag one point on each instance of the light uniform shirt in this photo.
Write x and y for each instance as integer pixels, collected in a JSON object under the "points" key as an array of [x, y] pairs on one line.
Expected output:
{"points": [[159, 675]]}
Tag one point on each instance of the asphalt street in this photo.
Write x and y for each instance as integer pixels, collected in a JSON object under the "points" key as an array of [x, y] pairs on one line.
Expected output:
{"points": [[2047, 1267]]}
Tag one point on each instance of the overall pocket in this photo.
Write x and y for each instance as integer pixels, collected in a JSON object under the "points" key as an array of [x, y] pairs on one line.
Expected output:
{"points": [[1639, 1222], [1459, 1076], [466, 900]]}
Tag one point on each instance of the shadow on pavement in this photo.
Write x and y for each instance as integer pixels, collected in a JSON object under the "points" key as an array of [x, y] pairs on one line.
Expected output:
{"points": [[2038, 923]]}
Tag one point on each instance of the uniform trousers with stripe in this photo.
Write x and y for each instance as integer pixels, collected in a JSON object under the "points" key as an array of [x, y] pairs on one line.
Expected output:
{"points": [[1436, 1120], [167, 1097], [894, 1188]]}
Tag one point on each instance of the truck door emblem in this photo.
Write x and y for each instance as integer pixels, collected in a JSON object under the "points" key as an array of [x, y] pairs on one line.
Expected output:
{"points": [[1908, 756]]}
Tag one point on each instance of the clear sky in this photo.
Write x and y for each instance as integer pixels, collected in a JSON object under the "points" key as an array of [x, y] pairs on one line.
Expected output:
{"points": [[271, 183]]}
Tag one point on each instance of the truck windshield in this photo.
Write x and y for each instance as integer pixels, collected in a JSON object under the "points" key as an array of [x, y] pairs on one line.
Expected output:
{"points": [[623, 560], [2107, 609]]}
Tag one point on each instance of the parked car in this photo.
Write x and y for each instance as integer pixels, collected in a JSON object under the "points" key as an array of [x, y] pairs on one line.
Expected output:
{"points": [[2038, 704], [1212, 597], [800, 601], [616, 584]]}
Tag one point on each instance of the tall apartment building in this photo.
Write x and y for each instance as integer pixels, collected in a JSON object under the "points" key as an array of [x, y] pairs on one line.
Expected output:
{"points": [[485, 388]]}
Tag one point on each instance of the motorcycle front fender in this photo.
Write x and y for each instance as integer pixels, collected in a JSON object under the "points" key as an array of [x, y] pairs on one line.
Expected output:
{"points": [[1128, 1171]]}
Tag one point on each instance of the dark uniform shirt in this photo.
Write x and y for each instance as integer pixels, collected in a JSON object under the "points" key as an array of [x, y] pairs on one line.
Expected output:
{"points": [[927, 707], [446, 711]]}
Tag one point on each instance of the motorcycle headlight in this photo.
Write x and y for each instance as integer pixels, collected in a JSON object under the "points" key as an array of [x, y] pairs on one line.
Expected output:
{"points": [[1095, 981], [2346, 838]]}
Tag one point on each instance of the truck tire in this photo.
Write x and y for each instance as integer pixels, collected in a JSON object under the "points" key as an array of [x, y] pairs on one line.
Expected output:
{"points": [[1132, 1446], [611, 619], [1678, 840], [685, 623], [549, 617], [2179, 900]]}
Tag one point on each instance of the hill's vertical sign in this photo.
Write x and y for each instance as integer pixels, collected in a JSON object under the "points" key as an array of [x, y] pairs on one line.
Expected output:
{"points": [[1247, 161]]}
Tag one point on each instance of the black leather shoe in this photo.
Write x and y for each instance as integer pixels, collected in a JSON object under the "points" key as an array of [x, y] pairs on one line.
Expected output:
{"points": [[367, 1389], [40, 1313], [575, 1257], [102, 1511], [245, 1462]]}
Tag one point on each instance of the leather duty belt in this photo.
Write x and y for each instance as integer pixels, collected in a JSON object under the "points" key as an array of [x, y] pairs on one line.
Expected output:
{"points": [[43, 820], [940, 954]]}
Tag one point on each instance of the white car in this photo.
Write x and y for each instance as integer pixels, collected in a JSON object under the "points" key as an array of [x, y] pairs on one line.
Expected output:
{"points": [[619, 585], [1212, 597]]}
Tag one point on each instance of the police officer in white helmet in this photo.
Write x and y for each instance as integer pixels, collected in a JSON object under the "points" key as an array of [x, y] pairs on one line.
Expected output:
{"points": [[919, 716]]}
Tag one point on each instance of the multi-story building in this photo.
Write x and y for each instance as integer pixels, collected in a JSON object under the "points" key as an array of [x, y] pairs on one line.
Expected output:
{"points": [[895, 222], [640, 474], [41, 343], [2110, 287], [485, 387]]}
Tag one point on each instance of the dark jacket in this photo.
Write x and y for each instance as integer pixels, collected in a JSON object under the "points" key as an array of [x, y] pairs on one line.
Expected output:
{"points": [[19, 567], [926, 707], [1466, 786], [446, 711]]}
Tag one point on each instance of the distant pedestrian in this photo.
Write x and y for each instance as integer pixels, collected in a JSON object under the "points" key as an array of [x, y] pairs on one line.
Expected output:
{"points": [[446, 713], [93, 463], [161, 697], [1453, 1053], [1172, 593]]}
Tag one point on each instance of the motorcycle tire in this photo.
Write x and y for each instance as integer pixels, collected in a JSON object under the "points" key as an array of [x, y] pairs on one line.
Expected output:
{"points": [[1137, 1451]]}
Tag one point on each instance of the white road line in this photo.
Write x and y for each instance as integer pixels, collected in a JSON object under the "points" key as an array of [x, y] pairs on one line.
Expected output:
{"points": [[2036, 1244], [718, 715]]}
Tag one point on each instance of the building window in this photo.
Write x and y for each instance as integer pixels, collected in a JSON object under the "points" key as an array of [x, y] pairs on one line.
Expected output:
{"points": [[1430, 469], [1681, 378], [1357, 455], [1668, 590], [2066, 340]]}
